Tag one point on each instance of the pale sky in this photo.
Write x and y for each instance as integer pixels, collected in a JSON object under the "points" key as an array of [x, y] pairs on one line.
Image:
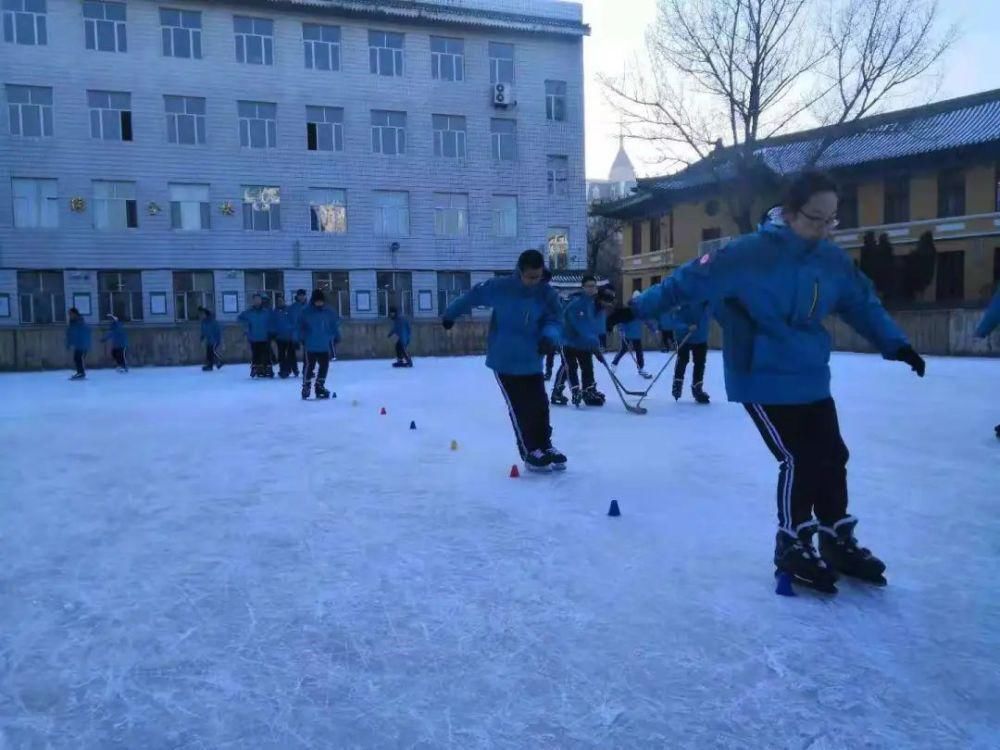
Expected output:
{"points": [[618, 31]]}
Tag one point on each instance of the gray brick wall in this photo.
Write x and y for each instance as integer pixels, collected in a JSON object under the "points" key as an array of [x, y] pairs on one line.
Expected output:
{"points": [[76, 159]]}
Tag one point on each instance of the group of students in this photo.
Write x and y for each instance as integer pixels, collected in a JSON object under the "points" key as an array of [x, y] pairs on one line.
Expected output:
{"points": [[78, 341]]}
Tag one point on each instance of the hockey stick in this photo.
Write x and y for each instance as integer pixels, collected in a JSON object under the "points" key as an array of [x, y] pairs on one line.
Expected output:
{"points": [[665, 366], [628, 407], [617, 381]]}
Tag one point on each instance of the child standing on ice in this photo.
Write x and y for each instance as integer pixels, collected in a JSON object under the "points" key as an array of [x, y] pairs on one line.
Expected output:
{"points": [[630, 333], [283, 329], [78, 340], [401, 330], [691, 327], [118, 337], [319, 329], [524, 326], [256, 321], [991, 319], [582, 323], [211, 337], [770, 291]]}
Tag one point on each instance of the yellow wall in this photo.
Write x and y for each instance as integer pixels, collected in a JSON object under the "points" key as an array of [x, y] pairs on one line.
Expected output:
{"points": [[923, 196], [980, 189], [871, 203]]}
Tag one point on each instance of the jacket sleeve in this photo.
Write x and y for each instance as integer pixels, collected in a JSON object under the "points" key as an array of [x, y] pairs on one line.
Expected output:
{"points": [[861, 309], [481, 295], [991, 318], [696, 282], [335, 325]]}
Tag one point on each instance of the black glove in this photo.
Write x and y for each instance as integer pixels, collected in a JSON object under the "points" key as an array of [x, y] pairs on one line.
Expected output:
{"points": [[914, 360], [546, 346], [621, 315], [448, 324]]}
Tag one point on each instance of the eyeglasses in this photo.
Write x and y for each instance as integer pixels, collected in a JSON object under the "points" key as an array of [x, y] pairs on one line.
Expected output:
{"points": [[833, 222]]}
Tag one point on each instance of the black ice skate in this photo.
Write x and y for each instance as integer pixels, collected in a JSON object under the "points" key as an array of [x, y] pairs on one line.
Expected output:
{"points": [[556, 459], [577, 396], [677, 389], [699, 394], [78, 376], [795, 555], [590, 397], [548, 375], [206, 368], [997, 429], [399, 363], [306, 388], [321, 391], [559, 398], [537, 461], [841, 551]]}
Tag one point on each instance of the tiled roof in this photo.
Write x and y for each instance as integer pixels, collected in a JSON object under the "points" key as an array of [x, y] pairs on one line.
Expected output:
{"points": [[942, 126]]}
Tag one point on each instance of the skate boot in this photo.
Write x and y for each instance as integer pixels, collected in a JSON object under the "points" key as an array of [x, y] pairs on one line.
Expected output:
{"points": [[269, 372], [598, 394], [795, 556], [576, 395], [699, 394], [590, 397], [78, 376], [644, 374], [306, 388], [997, 429], [399, 363], [841, 551], [537, 460], [559, 398], [548, 375], [556, 459], [206, 368], [677, 389], [321, 391]]}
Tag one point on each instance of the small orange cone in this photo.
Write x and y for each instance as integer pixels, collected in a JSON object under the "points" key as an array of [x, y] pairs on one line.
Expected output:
{"points": [[383, 412], [514, 471]]}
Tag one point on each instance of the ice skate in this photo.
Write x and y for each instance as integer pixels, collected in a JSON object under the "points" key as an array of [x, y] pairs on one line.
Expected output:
{"points": [[122, 370], [548, 375], [206, 368], [559, 398], [644, 374], [677, 389], [321, 391], [840, 549], [699, 394], [576, 395], [556, 459], [537, 460], [795, 556], [78, 376], [399, 363], [306, 389], [590, 397]]}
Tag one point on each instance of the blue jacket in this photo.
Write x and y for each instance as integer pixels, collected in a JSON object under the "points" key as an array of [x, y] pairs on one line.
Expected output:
{"points": [[257, 323], [117, 335], [631, 330], [522, 316], [295, 312], [401, 328], [319, 327], [78, 335], [211, 332], [991, 318], [282, 323], [691, 315], [582, 323], [770, 292]]}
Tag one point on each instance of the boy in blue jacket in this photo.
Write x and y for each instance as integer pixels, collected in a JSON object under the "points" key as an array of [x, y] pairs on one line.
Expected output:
{"points": [[582, 324], [770, 292], [118, 337], [294, 311], [283, 328], [211, 337], [401, 330], [524, 326], [991, 319], [630, 333], [256, 321], [691, 327], [319, 330], [78, 340]]}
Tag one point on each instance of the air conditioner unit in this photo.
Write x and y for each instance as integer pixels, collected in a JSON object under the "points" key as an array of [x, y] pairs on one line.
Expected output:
{"points": [[503, 95]]}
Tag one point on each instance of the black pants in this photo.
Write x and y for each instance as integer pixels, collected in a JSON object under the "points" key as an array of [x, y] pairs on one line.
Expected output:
{"points": [[260, 358], [528, 406], [78, 356], [312, 359], [696, 351], [573, 359], [805, 438], [401, 354], [667, 337], [212, 357], [119, 354], [286, 357], [636, 344], [550, 360]]}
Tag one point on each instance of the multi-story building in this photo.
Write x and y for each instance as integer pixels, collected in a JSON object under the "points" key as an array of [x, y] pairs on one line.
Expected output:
{"points": [[157, 155], [934, 168]]}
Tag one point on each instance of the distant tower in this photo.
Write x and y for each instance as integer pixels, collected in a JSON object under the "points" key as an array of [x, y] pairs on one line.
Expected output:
{"points": [[622, 169]]}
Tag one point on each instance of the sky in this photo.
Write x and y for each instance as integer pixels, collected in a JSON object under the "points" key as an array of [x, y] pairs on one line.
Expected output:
{"points": [[616, 36]]}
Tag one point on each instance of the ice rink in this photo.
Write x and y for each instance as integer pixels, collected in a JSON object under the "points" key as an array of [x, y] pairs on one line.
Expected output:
{"points": [[193, 560]]}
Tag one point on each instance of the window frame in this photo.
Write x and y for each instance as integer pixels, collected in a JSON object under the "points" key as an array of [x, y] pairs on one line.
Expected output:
{"points": [[41, 298], [498, 213], [174, 120], [315, 128], [377, 57], [44, 205], [497, 139], [129, 209], [100, 123], [39, 24], [273, 210], [441, 136], [557, 175], [106, 298], [46, 114], [340, 223], [246, 123], [395, 133], [170, 33], [93, 25], [177, 207], [381, 228], [186, 299], [456, 60], [554, 100], [243, 39], [498, 65], [451, 221], [331, 48]]}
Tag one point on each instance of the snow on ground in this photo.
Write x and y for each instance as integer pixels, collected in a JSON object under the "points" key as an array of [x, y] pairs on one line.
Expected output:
{"points": [[192, 560]]}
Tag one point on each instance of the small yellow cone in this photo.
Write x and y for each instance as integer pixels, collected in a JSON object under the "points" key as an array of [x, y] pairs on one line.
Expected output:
{"points": [[454, 445]]}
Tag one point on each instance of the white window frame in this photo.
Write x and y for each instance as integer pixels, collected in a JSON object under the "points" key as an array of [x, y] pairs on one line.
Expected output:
{"points": [[35, 18], [328, 125], [557, 258], [189, 200], [503, 224], [497, 138], [554, 98], [557, 175], [187, 301], [451, 215], [392, 220], [450, 132], [269, 118], [38, 98], [94, 24], [262, 202], [191, 105], [384, 57], [336, 294], [103, 122], [328, 47], [107, 210], [384, 131], [36, 202], [130, 298], [501, 68], [188, 26], [450, 58], [328, 210], [261, 32]]}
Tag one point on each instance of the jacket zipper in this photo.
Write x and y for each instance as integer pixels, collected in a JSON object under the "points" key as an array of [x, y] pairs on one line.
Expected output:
{"points": [[815, 297]]}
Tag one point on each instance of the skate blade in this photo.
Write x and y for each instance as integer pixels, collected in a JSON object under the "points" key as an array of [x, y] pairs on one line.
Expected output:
{"points": [[558, 467], [537, 469], [806, 583], [879, 582]]}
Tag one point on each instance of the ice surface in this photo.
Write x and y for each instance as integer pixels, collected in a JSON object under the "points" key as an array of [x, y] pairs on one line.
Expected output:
{"points": [[193, 560]]}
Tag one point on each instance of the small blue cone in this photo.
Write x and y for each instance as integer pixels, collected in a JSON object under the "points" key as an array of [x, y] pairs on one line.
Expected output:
{"points": [[613, 510], [784, 587], [334, 394], [413, 425]]}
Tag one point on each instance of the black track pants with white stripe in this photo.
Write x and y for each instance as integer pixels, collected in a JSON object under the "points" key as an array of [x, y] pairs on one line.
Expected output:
{"points": [[528, 405], [812, 479]]}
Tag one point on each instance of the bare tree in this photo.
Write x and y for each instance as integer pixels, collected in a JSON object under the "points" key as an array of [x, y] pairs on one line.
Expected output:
{"points": [[603, 249]]}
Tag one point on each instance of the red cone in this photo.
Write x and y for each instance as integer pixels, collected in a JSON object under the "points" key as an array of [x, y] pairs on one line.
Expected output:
{"points": [[383, 411], [514, 471]]}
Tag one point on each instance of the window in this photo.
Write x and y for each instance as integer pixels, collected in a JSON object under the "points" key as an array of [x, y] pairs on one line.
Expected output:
{"points": [[104, 25], [636, 238], [557, 171], [263, 282], [636, 285], [261, 208], [42, 297], [181, 32], [110, 115], [847, 211], [337, 285], [654, 280], [325, 128], [392, 214], [452, 285], [505, 216], [115, 205], [504, 136], [36, 203], [120, 294], [189, 207], [654, 235], [24, 22], [192, 289], [328, 210], [449, 136], [501, 63], [896, 207], [555, 101], [258, 124], [395, 289], [711, 233], [254, 40], [951, 193], [385, 53], [558, 244], [388, 132], [447, 58], [951, 276], [451, 214], [322, 46], [30, 110], [185, 119]]}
